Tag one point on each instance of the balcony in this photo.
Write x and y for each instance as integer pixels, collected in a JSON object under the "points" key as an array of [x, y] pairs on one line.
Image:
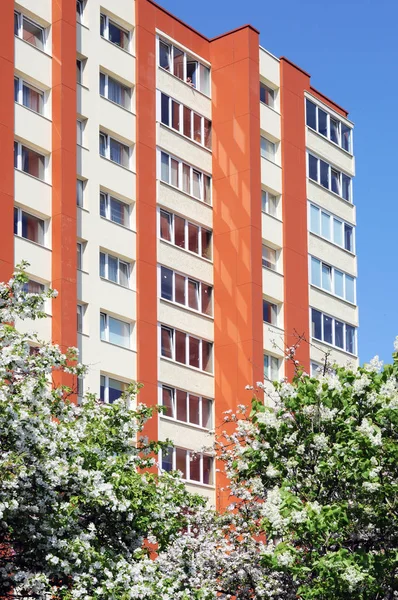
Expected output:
{"points": [[176, 201], [182, 318], [186, 378], [184, 147], [330, 152], [189, 263]]}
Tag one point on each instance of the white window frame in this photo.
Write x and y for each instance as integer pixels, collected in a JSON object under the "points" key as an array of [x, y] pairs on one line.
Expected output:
{"points": [[108, 198], [107, 378], [81, 63], [185, 55], [272, 266], [274, 310], [181, 108], [80, 6], [105, 35], [80, 127], [80, 317], [273, 94], [187, 465], [20, 212], [330, 117], [330, 169], [180, 187], [186, 239], [20, 19], [273, 367], [106, 330], [80, 185], [333, 219], [269, 144], [19, 93], [107, 154], [187, 279], [333, 343], [18, 166], [268, 199], [333, 280], [174, 391], [80, 253], [119, 262], [173, 331], [106, 90]]}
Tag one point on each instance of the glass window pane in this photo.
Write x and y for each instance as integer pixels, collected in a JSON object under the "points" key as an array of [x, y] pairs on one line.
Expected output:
{"points": [[206, 236], [187, 122], [33, 34], [339, 334], [167, 401], [119, 211], [322, 122], [266, 95], [165, 225], [350, 345], [102, 84], [335, 175], [102, 144], [274, 368], [269, 258], [186, 178], [103, 326], [194, 409], [174, 172], [206, 413], [312, 167], [119, 332], [178, 63], [179, 231], [166, 283], [326, 277], [102, 205], [207, 189], [164, 55], [102, 25], [346, 137], [180, 347], [167, 459], [182, 406], [175, 109], [16, 89], [164, 168], [166, 342], [315, 271], [266, 363], [164, 109], [325, 225], [113, 268], [346, 187], [327, 329], [102, 388], [207, 305], [208, 470], [350, 288], [193, 294], [32, 98], [324, 168], [102, 263], [334, 131], [194, 352], [339, 283], [194, 466], [204, 79], [16, 23], [348, 237], [179, 291], [197, 128], [315, 225], [116, 389], [196, 179], [32, 163], [193, 238], [32, 228], [311, 114], [192, 71], [79, 256], [316, 324], [207, 357], [79, 192], [16, 221], [118, 36], [181, 464], [269, 312], [337, 232], [207, 133]]}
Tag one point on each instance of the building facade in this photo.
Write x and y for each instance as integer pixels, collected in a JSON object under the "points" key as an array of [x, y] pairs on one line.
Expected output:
{"points": [[190, 198]]}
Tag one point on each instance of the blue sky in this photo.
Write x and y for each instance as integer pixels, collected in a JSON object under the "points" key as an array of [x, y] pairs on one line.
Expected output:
{"points": [[350, 48]]}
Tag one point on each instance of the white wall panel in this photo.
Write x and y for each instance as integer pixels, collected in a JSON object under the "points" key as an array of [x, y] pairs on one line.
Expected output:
{"points": [[36, 63], [33, 193], [272, 230], [184, 205], [271, 175], [32, 127], [185, 320], [186, 378]]}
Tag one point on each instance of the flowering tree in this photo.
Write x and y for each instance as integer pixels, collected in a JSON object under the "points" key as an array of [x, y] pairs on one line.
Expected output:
{"points": [[77, 513]]}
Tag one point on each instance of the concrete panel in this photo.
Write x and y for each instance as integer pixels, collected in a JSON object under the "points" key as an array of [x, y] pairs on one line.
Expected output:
{"points": [[39, 258], [186, 378], [335, 256], [270, 121], [330, 152], [331, 202], [273, 284], [184, 148], [181, 91], [32, 127], [33, 193], [185, 262], [269, 67], [186, 320], [29, 59], [273, 340], [272, 230], [184, 205], [271, 175], [343, 311]]}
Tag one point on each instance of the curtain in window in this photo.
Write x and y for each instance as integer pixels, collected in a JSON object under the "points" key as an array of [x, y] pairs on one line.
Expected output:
{"points": [[193, 294], [166, 343], [103, 326], [165, 226], [117, 212], [116, 152], [102, 144], [119, 332], [102, 264], [112, 268], [114, 91], [116, 388], [182, 414], [167, 401]]}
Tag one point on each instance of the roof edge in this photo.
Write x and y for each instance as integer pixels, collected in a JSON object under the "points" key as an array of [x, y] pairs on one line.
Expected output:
{"points": [[294, 65], [312, 89], [235, 30], [167, 12]]}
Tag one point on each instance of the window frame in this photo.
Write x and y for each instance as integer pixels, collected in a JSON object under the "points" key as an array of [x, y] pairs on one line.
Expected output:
{"points": [[333, 329], [80, 191], [268, 89], [188, 453], [20, 22], [108, 138], [172, 331], [106, 386], [187, 280], [19, 93], [333, 270], [80, 252], [105, 95], [264, 152], [105, 34], [80, 317], [19, 146], [274, 310], [329, 118], [106, 317], [268, 264], [108, 197], [174, 416], [331, 168], [19, 211], [181, 120], [80, 11], [267, 199], [200, 65], [180, 175], [201, 230], [106, 269], [272, 370], [333, 219]]}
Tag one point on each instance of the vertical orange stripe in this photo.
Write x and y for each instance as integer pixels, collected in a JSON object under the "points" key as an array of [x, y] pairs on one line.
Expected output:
{"points": [[294, 196], [238, 326], [64, 330], [7, 142]]}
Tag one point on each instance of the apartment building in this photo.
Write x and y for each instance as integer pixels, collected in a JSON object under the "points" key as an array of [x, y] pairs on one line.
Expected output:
{"points": [[190, 198]]}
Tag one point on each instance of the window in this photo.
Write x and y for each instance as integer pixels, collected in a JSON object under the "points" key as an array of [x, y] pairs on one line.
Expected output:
{"points": [[269, 258], [184, 66], [186, 407], [334, 332], [268, 149], [80, 185], [315, 368], [329, 178], [114, 33], [194, 466], [114, 330], [114, 210], [80, 64], [114, 150], [269, 203], [28, 30], [29, 161], [28, 226], [80, 125], [33, 287], [186, 291], [330, 127], [184, 177], [331, 228], [266, 95], [28, 95], [185, 121], [186, 349], [271, 367], [115, 91], [79, 10], [186, 235], [332, 280], [80, 312], [270, 312], [114, 269], [79, 262], [111, 389]]}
